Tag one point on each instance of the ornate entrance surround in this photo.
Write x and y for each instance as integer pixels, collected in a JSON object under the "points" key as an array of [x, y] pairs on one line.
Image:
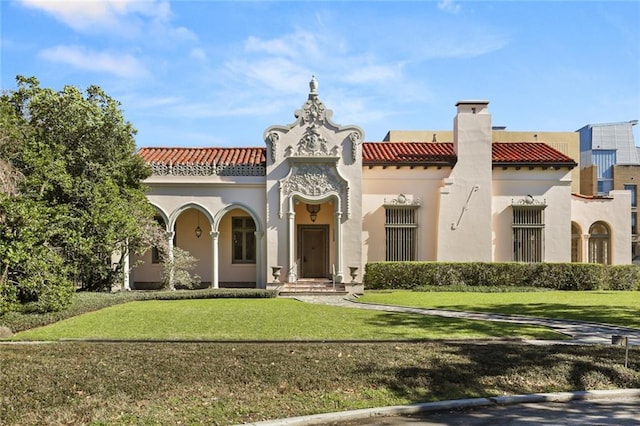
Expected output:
{"points": [[314, 180]]}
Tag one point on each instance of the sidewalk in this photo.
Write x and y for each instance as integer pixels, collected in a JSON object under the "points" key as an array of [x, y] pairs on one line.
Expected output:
{"points": [[580, 332], [615, 407]]}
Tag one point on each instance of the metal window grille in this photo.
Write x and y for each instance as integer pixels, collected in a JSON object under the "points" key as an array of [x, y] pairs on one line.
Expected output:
{"points": [[400, 228], [528, 235]]}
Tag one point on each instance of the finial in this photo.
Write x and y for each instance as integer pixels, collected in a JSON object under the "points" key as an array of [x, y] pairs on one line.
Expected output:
{"points": [[313, 85]]}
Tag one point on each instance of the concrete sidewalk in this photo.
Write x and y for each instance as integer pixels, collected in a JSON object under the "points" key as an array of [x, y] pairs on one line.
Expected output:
{"points": [[580, 332], [524, 409]]}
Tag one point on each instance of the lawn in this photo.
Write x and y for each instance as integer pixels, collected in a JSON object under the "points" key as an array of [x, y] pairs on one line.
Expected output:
{"points": [[266, 319], [230, 383], [611, 307]]}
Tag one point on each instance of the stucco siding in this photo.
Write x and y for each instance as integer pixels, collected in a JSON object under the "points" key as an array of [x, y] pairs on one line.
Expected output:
{"points": [[384, 185]]}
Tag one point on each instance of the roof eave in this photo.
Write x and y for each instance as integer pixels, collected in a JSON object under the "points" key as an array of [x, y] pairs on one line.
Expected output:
{"points": [[547, 165]]}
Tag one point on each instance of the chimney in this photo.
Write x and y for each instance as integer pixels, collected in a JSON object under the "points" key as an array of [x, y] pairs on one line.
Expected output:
{"points": [[472, 134]]}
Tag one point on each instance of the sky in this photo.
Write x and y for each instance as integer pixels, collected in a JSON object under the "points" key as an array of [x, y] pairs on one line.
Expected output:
{"points": [[218, 73]]}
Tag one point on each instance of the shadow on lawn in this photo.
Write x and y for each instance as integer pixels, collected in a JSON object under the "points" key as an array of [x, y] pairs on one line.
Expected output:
{"points": [[472, 370], [620, 315], [441, 327]]}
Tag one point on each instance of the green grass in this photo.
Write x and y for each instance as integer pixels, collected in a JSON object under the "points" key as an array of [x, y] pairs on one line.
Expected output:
{"points": [[611, 307], [221, 384], [83, 302], [266, 319]]}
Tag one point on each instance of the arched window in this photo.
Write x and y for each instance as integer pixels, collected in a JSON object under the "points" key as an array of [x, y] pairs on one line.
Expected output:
{"points": [[599, 244], [576, 243]]}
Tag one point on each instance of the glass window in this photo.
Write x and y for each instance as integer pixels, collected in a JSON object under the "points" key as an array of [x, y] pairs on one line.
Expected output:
{"points": [[633, 190], [599, 243], [244, 240], [400, 231]]}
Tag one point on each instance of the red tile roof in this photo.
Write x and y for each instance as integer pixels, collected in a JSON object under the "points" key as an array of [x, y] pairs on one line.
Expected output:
{"points": [[219, 156], [373, 153], [528, 154], [409, 153]]}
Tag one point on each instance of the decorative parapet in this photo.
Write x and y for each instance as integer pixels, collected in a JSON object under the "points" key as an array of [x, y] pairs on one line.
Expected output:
{"points": [[402, 200], [197, 169], [529, 201]]}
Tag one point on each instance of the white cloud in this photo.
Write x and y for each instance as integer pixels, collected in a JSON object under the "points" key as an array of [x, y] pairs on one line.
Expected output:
{"points": [[121, 65], [122, 18], [374, 73], [198, 53], [449, 6]]}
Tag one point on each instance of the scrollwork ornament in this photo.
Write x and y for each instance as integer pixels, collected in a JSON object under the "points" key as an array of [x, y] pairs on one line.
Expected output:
{"points": [[273, 139], [354, 137]]}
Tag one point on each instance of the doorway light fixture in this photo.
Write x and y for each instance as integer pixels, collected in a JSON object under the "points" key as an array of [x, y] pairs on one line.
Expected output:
{"points": [[313, 210], [198, 229]]}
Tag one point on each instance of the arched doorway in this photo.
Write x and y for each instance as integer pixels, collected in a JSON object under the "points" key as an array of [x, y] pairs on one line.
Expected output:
{"points": [[576, 242], [238, 248], [192, 233], [599, 243]]}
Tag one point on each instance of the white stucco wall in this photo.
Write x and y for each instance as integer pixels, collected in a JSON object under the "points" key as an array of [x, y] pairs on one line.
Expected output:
{"points": [[179, 198], [464, 212], [615, 211], [417, 184], [553, 187]]}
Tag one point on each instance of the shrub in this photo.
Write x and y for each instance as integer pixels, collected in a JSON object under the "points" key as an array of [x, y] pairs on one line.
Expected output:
{"points": [[557, 276], [623, 277]]}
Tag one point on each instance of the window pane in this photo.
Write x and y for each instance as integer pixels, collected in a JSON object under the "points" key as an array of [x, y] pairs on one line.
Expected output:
{"points": [[632, 189], [244, 240], [250, 248], [237, 246]]}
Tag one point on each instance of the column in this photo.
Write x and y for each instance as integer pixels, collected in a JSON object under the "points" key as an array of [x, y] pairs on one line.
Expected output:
{"points": [[291, 276], [214, 260], [125, 268], [585, 248], [338, 225], [170, 236], [260, 268]]}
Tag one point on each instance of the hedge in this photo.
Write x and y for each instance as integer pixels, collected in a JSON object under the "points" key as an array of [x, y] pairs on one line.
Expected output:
{"points": [[558, 276]]}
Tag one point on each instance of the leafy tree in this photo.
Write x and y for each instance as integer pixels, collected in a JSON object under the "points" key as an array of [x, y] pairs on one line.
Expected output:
{"points": [[80, 182]]}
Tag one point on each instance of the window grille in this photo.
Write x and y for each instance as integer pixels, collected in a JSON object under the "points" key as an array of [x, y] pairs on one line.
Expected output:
{"points": [[528, 232], [401, 235], [244, 240]]}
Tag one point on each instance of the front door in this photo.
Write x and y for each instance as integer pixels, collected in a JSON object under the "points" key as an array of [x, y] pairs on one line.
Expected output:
{"points": [[313, 251]]}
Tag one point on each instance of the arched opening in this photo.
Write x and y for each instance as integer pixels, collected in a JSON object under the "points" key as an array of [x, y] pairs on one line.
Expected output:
{"points": [[147, 273], [599, 243], [238, 247], [576, 242], [192, 230]]}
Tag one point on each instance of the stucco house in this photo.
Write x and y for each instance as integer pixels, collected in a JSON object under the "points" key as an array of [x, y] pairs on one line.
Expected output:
{"points": [[315, 203]]}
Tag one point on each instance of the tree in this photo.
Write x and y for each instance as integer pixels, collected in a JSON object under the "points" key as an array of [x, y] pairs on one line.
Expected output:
{"points": [[76, 158]]}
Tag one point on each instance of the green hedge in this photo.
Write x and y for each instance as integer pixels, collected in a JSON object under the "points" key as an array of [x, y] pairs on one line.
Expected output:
{"points": [[558, 276]]}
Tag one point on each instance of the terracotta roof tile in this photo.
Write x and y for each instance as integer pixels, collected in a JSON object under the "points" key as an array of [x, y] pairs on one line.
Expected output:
{"points": [[219, 156], [528, 153], [373, 153], [416, 153]]}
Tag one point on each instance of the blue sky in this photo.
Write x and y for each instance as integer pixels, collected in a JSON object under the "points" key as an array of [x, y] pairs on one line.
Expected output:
{"points": [[218, 73]]}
